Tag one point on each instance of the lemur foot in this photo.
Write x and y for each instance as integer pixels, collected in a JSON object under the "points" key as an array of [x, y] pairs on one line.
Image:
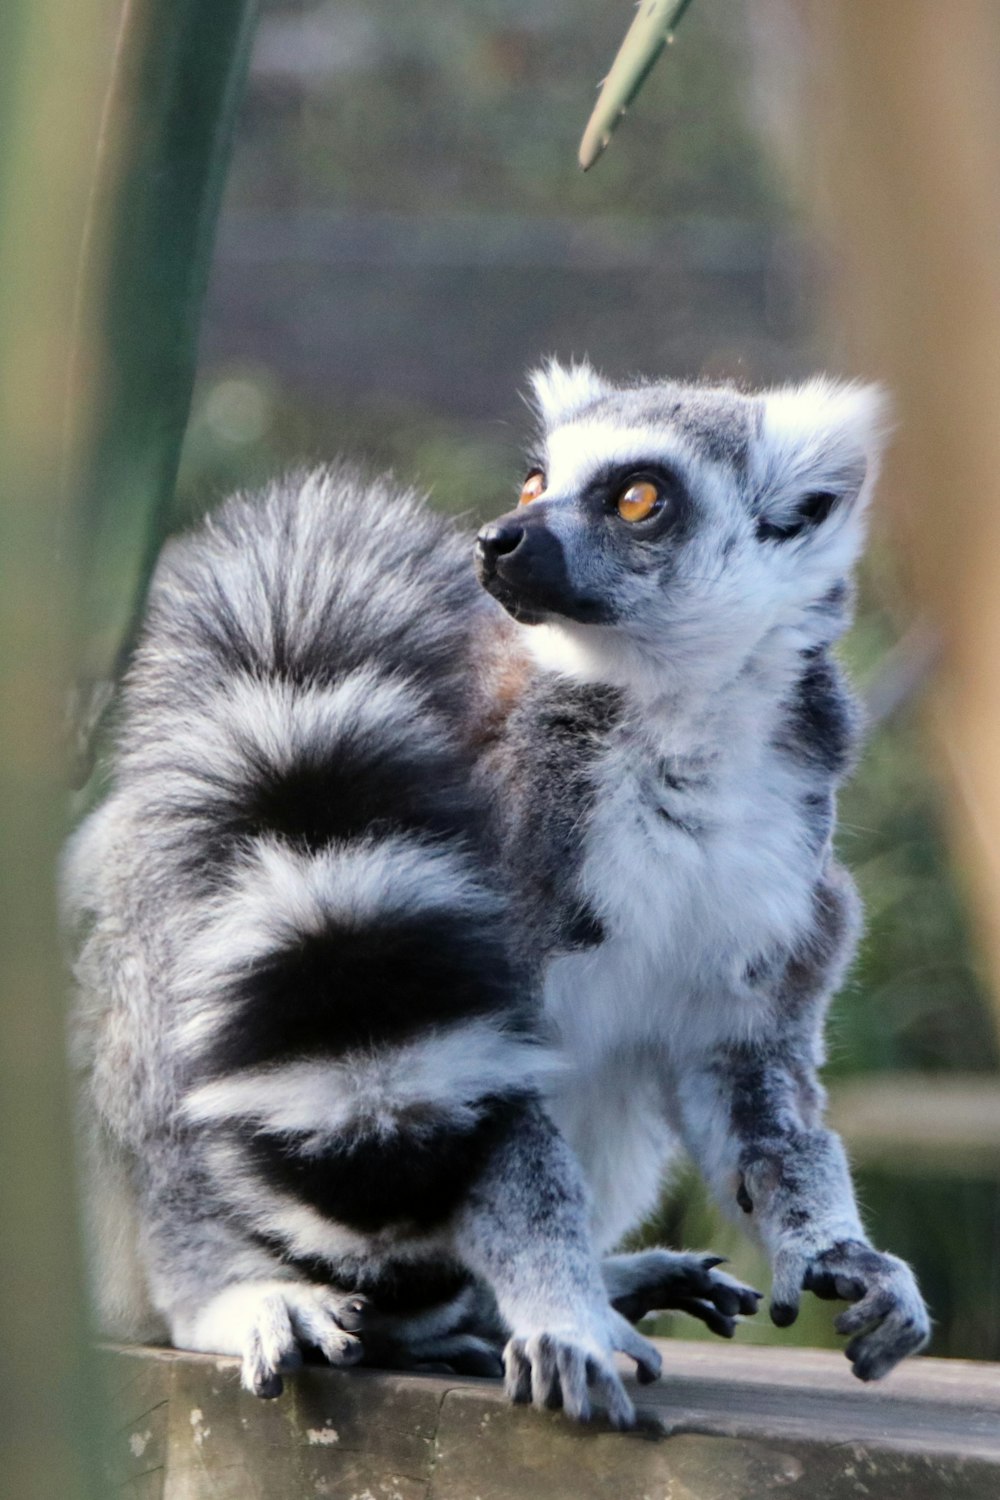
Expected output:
{"points": [[560, 1370], [888, 1319], [690, 1281], [268, 1323], [445, 1354]]}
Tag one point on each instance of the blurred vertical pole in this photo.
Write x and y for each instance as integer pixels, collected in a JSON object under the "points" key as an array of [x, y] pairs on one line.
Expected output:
{"points": [[907, 102], [137, 186], [52, 59]]}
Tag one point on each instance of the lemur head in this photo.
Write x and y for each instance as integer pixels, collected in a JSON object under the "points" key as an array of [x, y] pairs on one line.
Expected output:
{"points": [[673, 524]]}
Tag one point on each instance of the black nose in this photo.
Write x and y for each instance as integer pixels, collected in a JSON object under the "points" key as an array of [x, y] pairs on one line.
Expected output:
{"points": [[497, 540]]}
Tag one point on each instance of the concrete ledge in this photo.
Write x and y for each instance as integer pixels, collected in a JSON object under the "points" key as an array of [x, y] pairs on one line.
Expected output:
{"points": [[723, 1424]]}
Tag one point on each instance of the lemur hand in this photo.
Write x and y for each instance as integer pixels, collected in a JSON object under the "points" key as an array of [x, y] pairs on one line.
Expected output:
{"points": [[689, 1280], [562, 1365], [888, 1319]]}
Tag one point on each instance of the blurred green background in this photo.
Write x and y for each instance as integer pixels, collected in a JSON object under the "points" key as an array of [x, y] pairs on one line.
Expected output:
{"points": [[405, 232]]}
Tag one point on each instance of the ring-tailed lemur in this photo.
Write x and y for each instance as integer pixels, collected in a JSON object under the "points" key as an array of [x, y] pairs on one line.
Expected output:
{"points": [[417, 934]]}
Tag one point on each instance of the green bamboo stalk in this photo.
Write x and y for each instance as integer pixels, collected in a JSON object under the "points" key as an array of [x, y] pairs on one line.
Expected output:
{"points": [[645, 39], [166, 143]]}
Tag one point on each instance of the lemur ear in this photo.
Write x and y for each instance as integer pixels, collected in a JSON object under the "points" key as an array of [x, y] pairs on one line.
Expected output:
{"points": [[817, 455], [560, 390]]}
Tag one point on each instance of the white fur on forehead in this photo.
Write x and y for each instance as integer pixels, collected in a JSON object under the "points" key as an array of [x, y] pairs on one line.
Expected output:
{"points": [[825, 435], [561, 390]]}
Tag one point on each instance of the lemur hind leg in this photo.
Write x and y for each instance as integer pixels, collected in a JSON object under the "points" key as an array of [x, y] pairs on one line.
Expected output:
{"points": [[268, 1324], [220, 1290], [460, 1335], [688, 1281], [462, 1353]]}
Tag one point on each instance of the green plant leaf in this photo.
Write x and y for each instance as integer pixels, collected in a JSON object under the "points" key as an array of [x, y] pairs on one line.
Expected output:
{"points": [[644, 41], [166, 140]]}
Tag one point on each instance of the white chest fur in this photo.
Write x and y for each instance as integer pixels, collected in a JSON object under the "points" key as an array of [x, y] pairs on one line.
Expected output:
{"points": [[696, 864], [695, 868]]}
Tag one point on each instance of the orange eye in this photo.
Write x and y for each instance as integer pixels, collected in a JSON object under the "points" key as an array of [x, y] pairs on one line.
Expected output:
{"points": [[638, 501], [532, 487]]}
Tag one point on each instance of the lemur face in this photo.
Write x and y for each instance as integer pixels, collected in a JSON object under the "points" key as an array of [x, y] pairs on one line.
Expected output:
{"points": [[685, 519]]}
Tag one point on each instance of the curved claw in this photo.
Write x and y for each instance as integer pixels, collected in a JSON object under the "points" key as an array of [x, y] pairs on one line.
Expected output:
{"points": [[267, 1385]]}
